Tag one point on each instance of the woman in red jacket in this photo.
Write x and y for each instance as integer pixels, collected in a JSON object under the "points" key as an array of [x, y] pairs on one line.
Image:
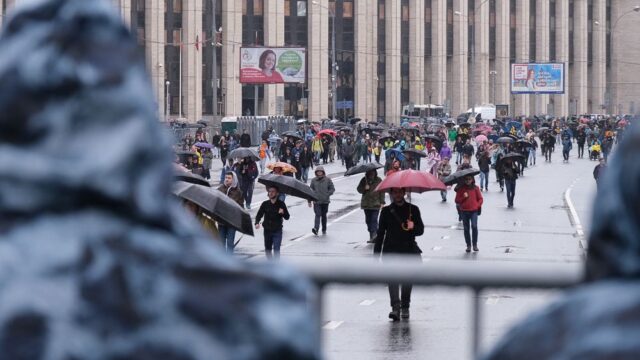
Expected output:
{"points": [[469, 199]]}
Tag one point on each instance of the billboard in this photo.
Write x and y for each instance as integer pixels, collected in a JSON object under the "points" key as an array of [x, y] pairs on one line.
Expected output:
{"points": [[537, 78], [272, 65]]}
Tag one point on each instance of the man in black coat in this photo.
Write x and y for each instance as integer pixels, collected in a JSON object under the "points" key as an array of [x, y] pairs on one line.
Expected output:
{"points": [[245, 139], [398, 226]]}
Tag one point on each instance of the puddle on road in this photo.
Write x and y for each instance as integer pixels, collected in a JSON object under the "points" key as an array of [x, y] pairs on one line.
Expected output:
{"points": [[342, 211]]}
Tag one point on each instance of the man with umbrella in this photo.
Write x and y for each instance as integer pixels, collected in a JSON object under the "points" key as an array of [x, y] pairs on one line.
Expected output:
{"points": [[274, 211], [247, 170], [400, 223], [509, 171], [230, 188], [371, 202]]}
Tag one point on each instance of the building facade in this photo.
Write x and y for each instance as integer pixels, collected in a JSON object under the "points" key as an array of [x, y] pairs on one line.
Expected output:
{"points": [[389, 53]]}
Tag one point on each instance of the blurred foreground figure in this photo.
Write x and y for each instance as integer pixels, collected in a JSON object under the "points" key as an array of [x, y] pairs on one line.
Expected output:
{"points": [[600, 319], [97, 260]]}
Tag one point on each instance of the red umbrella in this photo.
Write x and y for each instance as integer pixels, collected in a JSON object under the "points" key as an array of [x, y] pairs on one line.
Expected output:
{"points": [[328, 132], [413, 181]]}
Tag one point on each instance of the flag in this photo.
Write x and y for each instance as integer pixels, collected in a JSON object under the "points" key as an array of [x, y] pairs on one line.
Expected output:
{"points": [[197, 43]]}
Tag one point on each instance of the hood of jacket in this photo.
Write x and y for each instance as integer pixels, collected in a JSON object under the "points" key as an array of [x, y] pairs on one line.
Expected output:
{"points": [[614, 242], [93, 242]]}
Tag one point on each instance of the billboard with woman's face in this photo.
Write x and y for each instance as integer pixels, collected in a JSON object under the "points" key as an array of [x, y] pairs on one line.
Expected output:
{"points": [[279, 65], [542, 78]]}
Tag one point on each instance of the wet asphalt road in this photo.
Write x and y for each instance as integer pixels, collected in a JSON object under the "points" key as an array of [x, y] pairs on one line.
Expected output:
{"points": [[538, 230]]}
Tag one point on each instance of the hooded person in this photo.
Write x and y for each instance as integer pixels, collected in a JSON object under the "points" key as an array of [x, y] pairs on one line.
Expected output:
{"points": [[230, 188], [599, 318], [99, 260], [323, 187], [371, 201]]}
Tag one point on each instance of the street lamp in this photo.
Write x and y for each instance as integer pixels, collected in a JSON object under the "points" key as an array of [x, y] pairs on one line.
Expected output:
{"points": [[334, 66], [166, 97]]}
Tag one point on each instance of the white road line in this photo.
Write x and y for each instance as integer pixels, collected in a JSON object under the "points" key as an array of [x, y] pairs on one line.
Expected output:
{"points": [[332, 325], [493, 300], [574, 215], [436, 248], [368, 302]]}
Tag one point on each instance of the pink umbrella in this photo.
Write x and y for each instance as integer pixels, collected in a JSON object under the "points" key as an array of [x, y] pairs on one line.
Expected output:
{"points": [[481, 138]]}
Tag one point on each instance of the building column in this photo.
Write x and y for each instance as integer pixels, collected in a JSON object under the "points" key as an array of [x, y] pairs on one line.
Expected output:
{"points": [[541, 101], [273, 36], [460, 69], [192, 59], [522, 49], [372, 40], [363, 56], [231, 40], [503, 53], [561, 101], [580, 67], [598, 76], [437, 81], [416, 51], [124, 8], [479, 89], [154, 51], [393, 61], [318, 59]]}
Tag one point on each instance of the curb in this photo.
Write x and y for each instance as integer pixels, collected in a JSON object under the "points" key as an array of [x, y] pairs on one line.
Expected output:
{"points": [[573, 215]]}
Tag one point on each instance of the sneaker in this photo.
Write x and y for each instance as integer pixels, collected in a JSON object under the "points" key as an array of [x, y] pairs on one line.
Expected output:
{"points": [[404, 313], [324, 232], [468, 249], [475, 248], [394, 314], [314, 231]]}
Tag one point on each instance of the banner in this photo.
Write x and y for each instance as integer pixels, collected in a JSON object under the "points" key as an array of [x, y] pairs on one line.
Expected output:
{"points": [[277, 65], [547, 78]]}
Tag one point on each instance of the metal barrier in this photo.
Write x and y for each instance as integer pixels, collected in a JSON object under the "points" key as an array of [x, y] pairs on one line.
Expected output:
{"points": [[474, 275], [256, 125]]}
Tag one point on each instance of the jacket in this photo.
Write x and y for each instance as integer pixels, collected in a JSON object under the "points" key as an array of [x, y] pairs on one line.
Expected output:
{"points": [[391, 237], [272, 218], [233, 191], [371, 199], [471, 203], [444, 170], [484, 163], [323, 186]]}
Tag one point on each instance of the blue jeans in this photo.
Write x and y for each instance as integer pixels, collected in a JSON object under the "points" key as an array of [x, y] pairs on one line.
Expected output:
{"points": [[321, 211], [272, 242], [305, 174], [228, 235], [511, 190], [532, 157], [371, 219], [484, 180], [470, 224]]}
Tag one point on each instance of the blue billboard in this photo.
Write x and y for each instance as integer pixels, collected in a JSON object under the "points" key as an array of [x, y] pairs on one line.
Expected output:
{"points": [[537, 78]]}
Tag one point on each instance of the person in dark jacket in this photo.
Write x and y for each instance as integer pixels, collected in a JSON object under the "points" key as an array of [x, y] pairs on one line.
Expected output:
{"points": [[371, 202], [230, 188], [348, 151], [598, 319], [567, 145], [245, 139], [306, 162], [598, 171], [399, 224], [274, 211], [509, 171], [323, 187], [484, 164], [581, 138], [469, 200]]}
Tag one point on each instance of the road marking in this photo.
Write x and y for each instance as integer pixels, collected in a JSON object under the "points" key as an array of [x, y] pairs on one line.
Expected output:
{"points": [[493, 300], [367, 302], [436, 248], [574, 215], [332, 325]]}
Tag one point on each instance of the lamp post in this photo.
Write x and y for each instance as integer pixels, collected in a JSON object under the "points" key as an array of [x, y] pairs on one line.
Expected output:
{"points": [[334, 66], [166, 101]]}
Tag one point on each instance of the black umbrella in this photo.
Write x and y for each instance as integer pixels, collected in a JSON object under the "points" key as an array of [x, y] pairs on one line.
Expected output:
{"points": [[465, 125], [453, 178], [415, 152], [185, 153], [524, 143], [449, 124], [363, 168], [436, 140], [243, 152], [216, 204], [186, 176], [513, 156], [505, 140], [292, 134], [289, 186]]}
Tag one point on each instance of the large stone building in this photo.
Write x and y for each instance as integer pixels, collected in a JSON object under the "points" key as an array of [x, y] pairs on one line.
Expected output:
{"points": [[389, 53]]}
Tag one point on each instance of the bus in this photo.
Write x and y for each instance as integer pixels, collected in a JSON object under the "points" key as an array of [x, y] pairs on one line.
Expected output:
{"points": [[423, 111]]}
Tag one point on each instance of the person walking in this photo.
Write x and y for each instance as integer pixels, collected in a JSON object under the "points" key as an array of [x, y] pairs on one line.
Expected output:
{"points": [[399, 225], [509, 172], [484, 164], [247, 171], [274, 212], [567, 145], [230, 188], [245, 139], [532, 151], [581, 138], [598, 171], [348, 150], [371, 201], [306, 162], [323, 186], [444, 170], [469, 199], [264, 154]]}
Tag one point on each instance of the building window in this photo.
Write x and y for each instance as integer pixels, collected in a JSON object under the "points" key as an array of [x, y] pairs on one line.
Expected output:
{"points": [[347, 11], [177, 6], [258, 7], [302, 8]]}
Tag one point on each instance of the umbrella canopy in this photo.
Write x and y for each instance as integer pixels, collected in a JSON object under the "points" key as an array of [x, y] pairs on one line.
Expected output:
{"points": [[505, 140], [394, 152], [241, 153], [524, 143], [203, 145], [456, 176], [327, 132], [513, 156], [363, 168], [384, 137], [292, 134], [435, 140], [415, 152], [289, 185], [542, 129], [481, 138], [286, 167], [449, 124], [412, 181], [465, 125], [216, 204], [186, 176]]}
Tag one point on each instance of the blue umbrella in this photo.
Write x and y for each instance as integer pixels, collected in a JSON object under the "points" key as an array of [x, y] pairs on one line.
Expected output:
{"points": [[397, 153], [203, 145]]}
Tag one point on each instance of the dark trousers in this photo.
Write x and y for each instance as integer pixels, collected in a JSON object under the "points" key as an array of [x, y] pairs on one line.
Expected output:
{"points": [[511, 190], [470, 224], [565, 155], [272, 242], [321, 214], [247, 192], [580, 150], [371, 218], [400, 295]]}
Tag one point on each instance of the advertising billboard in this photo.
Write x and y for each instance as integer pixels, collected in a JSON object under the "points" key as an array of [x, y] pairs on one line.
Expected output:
{"points": [[272, 65], [537, 78]]}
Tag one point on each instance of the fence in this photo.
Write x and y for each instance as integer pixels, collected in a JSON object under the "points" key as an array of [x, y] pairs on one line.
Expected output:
{"points": [[256, 125], [476, 276]]}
